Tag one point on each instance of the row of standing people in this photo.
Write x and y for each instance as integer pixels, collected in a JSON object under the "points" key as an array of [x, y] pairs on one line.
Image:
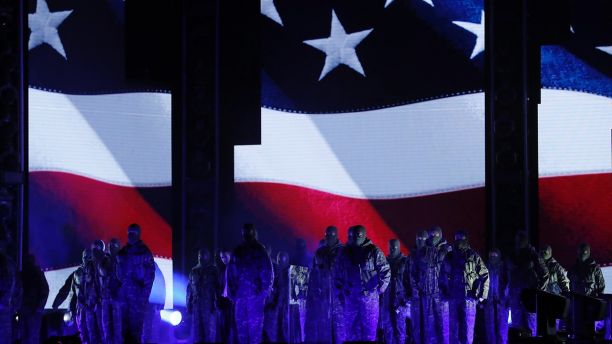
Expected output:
{"points": [[355, 292], [526, 268], [109, 291]]}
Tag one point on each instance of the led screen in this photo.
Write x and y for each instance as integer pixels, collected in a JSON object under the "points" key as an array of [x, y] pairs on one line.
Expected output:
{"points": [[575, 137], [99, 145], [372, 114]]}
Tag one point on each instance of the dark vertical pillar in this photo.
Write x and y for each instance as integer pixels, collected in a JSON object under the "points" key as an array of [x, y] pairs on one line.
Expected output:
{"points": [[511, 100], [13, 128], [239, 99], [22, 220], [197, 137], [515, 31], [222, 109], [179, 110]]}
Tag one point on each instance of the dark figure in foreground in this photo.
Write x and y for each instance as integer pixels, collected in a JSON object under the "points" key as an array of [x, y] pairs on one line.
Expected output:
{"points": [[249, 279], [558, 283], [110, 287], [320, 319], [433, 306], [361, 274], [586, 278], [35, 293], [277, 306], [136, 269], [202, 295], [527, 271], [416, 315], [226, 306], [394, 301], [8, 285], [496, 305], [466, 280]]}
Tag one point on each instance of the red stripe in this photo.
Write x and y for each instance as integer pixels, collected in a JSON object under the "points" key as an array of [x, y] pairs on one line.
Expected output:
{"points": [[303, 212], [100, 210], [574, 209]]}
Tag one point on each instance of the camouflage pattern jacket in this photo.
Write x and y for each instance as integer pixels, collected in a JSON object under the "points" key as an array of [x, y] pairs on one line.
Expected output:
{"points": [[498, 282], [85, 287], [526, 270], [136, 270], [82, 289], [586, 278], [557, 277], [396, 294], [279, 297], [108, 277], [430, 259], [361, 270], [412, 268], [464, 274], [250, 272], [320, 279], [204, 287]]}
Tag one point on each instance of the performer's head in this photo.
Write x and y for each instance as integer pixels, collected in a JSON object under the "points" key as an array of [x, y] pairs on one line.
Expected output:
{"points": [[249, 232], [282, 259], [204, 257], [86, 255], [331, 235], [494, 256], [114, 245], [225, 256], [357, 235], [546, 252], [394, 248], [97, 249], [461, 239], [134, 232], [435, 234], [584, 252], [421, 238], [521, 240]]}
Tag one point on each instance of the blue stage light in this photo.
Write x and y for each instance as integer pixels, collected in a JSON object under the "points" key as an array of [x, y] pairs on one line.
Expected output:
{"points": [[68, 319], [171, 316]]}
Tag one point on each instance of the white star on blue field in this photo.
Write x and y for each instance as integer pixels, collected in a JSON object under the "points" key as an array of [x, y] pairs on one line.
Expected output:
{"points": [[43, 25], [339, 47]]}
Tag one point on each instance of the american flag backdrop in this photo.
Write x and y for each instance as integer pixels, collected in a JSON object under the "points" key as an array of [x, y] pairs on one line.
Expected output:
{"points": [[99, 144], [373, 113]]}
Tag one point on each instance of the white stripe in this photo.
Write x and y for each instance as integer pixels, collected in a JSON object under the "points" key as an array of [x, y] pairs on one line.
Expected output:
{"points": [[417, 149], [123, 139], [165, 266], [56, 279], [575, 134], [607, 274]]}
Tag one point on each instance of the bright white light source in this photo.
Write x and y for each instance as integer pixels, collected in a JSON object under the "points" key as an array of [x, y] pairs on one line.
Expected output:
{"points": [[171, 316], [68, 318]]}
